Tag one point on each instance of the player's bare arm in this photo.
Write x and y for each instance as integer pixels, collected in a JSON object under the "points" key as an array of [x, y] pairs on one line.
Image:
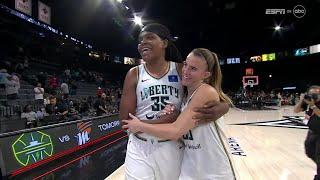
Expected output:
{"points": [[128, 101]]}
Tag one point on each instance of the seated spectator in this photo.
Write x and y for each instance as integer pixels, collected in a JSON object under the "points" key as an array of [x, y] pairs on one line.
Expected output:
{"points": [[30, 116], [64, 105], [46, 99], [41, 113], [52, 107], [73, 114], [58, 108], [84, 107]]}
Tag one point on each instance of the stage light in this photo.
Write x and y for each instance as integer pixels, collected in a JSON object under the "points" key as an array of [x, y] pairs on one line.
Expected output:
{"points": [[137, 20], [277, 28]]}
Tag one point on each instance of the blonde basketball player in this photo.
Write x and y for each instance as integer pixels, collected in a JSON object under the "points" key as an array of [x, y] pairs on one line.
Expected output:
{"points": [[204, 156]]}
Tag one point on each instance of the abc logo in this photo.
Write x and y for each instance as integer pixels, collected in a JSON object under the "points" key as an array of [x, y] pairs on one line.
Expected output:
{"points": [[299, 11]]}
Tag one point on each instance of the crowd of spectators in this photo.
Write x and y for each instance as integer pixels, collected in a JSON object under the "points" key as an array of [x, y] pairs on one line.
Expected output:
{"points": [[259, 98], [55, 93]]}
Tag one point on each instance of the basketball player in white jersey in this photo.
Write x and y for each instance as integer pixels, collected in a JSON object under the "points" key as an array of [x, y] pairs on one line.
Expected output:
{"points": [[204, 154], [147, 89]]}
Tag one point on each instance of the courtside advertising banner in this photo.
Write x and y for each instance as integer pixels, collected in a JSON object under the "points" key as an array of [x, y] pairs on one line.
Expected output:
{"points": [[26, 148]]}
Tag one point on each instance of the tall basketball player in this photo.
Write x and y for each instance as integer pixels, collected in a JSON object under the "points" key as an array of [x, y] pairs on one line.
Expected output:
{"points": [[204, 154], [147, 89]]}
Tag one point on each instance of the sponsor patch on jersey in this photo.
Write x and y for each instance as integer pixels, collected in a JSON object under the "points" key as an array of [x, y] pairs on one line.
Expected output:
{"points": [[173, 78]]}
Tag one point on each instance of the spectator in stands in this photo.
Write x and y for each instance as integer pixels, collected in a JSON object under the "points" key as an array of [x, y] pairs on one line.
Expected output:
{"points": [[30, 116], [52, 107], [42, 77], [12, 88], [41, 113], [67, 73], [53, 83], [73, 87], [100, 91], [15, 77], [3, 77], [101, 82], [84, 106], [76, 75], [58, 108], [73, 114], [101, 105], [26, 62], [3, 80], [64, 105], [38, 94], [46, 99], [64, 89], [90, 101]]}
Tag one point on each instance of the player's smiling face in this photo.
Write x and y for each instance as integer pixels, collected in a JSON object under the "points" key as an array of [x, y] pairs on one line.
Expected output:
{"points": [[151, 46], [194, 70]]}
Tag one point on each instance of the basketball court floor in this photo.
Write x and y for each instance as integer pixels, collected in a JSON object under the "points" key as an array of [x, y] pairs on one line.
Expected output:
{"points": [[263, 145]]}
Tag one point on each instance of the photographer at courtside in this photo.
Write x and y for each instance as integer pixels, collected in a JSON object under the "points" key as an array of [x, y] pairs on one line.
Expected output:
{"points": [[310, 103]]}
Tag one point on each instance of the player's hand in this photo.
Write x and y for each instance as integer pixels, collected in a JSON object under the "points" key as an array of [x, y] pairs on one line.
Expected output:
{"points": [[168, 109], [133, 125], [211, 111]]}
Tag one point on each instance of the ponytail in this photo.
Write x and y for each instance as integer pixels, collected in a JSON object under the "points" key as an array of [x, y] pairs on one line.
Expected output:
{"points": [[215, 79]]}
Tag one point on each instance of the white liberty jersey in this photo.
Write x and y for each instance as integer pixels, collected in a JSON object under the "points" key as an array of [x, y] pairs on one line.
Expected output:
{"points": [[204, 154], [154, 93]]}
